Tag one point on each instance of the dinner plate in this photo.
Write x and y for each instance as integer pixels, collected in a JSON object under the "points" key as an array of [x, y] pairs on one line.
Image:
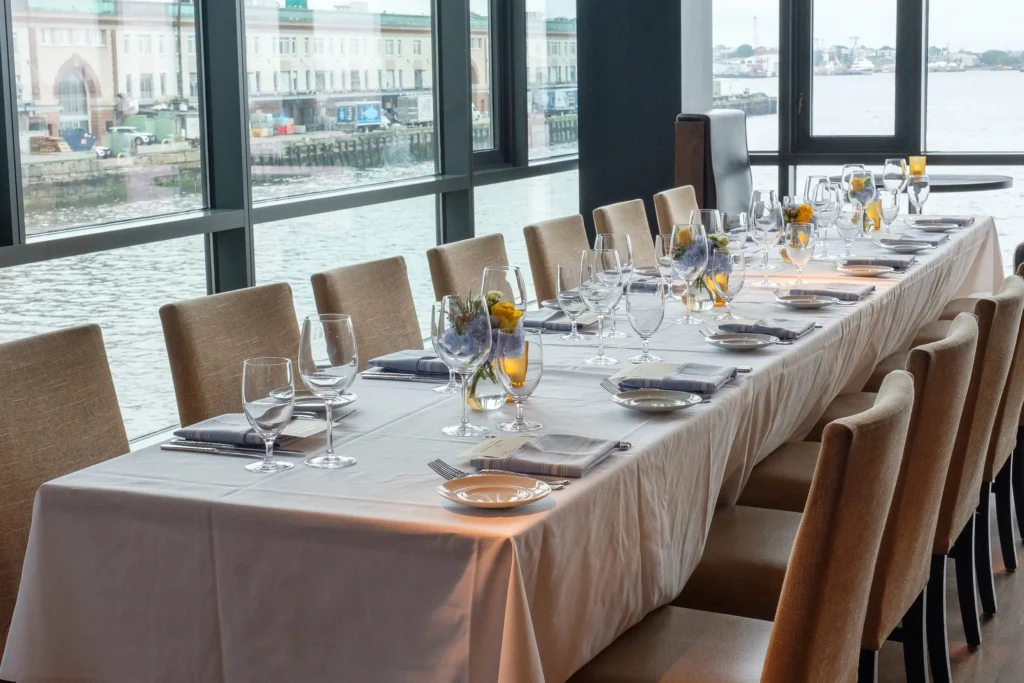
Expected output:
{"points": [[904, 247], [804, 301], [647, 272], [656, 400], [931, 225], [493, 490], [305, 400], [551, 303], [741, 341], [865, 271]]}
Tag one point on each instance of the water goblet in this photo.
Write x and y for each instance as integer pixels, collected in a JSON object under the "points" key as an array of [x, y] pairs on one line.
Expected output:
{"points": [[508, 281], [567, 289], [766, 219], [624, 246], [736, 226], [268, 397], [689, 260], [728, 272], [663, 256], [799, 246], [844, 178], [711, 219], [849, 231], [520, 365], [453, 386], [328, 363], [826, 205], [810, 184], [890, 211], [645, 308], [895, 174], [918, 190], [461, 330], [600, 288]]}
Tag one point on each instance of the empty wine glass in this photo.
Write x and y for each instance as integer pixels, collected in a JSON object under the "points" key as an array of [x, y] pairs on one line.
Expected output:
{"points": [[624, 246], [736, 227], [663, 256], [918, 190], [601, 289], [890, 210], [689, 259], [826, 205], [509, 281], [895, 174], [520, 366], [461, 329], [711, 219], [849, 231], [766, 220], [567, 289], [268, 396], [453, 386], [728, 272], [844, 178], [799, 246], [645, 308], [810, 184], [328, 363]]}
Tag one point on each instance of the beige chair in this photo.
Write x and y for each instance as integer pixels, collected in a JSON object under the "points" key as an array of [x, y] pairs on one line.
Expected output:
{"points": [[59, 413], [208, 338], [942, 373], [458, 268], [816, 633], [560, 241], [378, 298], [674, 207], [628, 218]]}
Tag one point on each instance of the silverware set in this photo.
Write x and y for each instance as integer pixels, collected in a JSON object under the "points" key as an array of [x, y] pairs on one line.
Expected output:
{"points": [[221, 449], [450, 473]]}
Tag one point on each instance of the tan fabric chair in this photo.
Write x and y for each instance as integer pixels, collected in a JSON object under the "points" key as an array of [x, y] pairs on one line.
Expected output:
{"points": [[208, 338], [59, 414], [378, 298], [628, 218], [458, 268], [674, 207], [817, 629], [560, 241]]}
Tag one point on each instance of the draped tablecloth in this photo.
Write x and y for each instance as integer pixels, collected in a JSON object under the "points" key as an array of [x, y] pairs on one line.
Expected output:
{"points": [[168, 566]]}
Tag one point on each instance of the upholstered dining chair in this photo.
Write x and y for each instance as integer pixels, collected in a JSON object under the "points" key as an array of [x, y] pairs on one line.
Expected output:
{"points": [[674, 206], [942, 374], [378, 298], [816, 631], [59, 414], [208, 338], [458, 267], [628, 218], [559, 241]]}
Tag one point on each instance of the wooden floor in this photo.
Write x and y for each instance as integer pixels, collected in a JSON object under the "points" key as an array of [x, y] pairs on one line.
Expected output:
{"points": [[1000, 659]]}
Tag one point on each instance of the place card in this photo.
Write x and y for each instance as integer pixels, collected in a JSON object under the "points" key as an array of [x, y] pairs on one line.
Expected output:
{"points": [[301, 429], [495, 447], [646, 371]]}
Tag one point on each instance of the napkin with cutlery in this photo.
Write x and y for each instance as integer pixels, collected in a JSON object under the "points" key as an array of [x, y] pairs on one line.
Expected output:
{"points": [[841, 292], [555, 321], [894, 262], [557, 455], [919, 241], [777, 327], [233, 429], [696, 378], [942, 220], [412, 361]]}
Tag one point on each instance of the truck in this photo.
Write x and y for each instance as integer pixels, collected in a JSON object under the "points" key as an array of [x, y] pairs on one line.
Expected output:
{"points": [[360, 117], [192, 130], [555, 101], [415, 110]]}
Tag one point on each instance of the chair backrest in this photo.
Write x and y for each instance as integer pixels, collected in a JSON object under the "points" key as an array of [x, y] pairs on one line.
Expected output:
{"points": [[942, 372], [1009, 413], [59, 413], [458, 267], [820, 618], [378, 298], [208, 338], [559, 241], [998, 323], [718, 139], [628, 218], [674, 207]]}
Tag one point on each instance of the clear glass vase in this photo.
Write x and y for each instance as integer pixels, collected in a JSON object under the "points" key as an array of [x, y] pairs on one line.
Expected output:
{"points": [[485, 393], [700, 298]]}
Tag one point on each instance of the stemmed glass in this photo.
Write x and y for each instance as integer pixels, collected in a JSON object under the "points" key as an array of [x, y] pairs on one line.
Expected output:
{"points": [[567, 289], [917, 191], [848, 231], [711, 219], [820, 198], [645, 308], [862, 193], [624, 246], [736, 226], [810, 184], [895, 174], [800, 238], [268, 396], [601, 289], [328, 362], [766, 219], [844, 178], [890, 210], [520, 366], [689, 260], [461, 329], [509, 281], [663, 256], [453, 386], [728, 271]]}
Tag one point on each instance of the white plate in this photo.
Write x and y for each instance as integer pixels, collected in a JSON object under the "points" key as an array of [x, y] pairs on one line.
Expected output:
{"points": [[656, 400], [490, 490], [931, 225], [741, 341], [905, 248], [804, 301], [304, 400], [865, 271]]}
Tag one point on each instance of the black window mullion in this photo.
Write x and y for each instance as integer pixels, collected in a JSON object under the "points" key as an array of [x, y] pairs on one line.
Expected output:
{"points": [[12, 217], [454, 120]]}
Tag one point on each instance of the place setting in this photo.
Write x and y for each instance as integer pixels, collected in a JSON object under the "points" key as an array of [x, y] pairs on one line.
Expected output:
{"points": [[667, 387]]}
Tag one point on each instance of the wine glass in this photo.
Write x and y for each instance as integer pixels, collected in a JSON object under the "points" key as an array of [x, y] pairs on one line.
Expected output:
{"points": [[328, 363], [461, 329], [711, 219], [453, 386], [918, 190], [728, 272], [624, 246], [601, 289], [895, 174], [799, 246], [890, 210], [567, 289], [520, 366], [645, 308], [736, 227], [812, 182], [862, 194], [689, 259], [766, 218], [844, 178], [848, 231], [820, 198], [509, 281], [663, 256], [268, 396]]}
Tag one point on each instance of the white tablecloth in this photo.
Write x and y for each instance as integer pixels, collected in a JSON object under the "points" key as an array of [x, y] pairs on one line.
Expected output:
{"points": [[166, 566]]}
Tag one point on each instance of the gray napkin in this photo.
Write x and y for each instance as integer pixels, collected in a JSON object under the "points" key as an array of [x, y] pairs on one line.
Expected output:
{"points": [[961, 222], [895, 262], [558, 455], [919, 241], [417, 362], [777, 327], [841, 292], [550, 320], [232, 429], [695, 378]]}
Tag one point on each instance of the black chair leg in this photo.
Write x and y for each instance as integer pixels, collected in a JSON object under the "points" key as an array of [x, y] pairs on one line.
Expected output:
{"points": [[914, 652], [935, 617], [868, 671], [1004, 515], [963, 555], [1017, 479], [983, 551]]}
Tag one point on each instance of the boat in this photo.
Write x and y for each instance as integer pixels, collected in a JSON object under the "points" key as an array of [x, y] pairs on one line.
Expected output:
{"points": [[862, 66]]}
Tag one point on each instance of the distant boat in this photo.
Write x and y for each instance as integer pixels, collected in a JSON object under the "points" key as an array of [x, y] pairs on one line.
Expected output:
{"points": [[862, 67]]}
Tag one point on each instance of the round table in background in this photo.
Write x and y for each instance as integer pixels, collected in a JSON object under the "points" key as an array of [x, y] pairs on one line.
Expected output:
{"points": [[956, 182]]}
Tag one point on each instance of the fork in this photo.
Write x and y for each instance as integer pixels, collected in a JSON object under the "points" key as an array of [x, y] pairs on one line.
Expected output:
{"points": [[448, 472]]}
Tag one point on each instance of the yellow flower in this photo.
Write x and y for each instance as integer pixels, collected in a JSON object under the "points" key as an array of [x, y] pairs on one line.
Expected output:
{"points": [[857, 184], [508, 316], [804, 214], [685, 237]]}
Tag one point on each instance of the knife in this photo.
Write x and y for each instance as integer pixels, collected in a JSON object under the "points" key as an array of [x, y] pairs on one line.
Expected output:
{"points": [[404, 377], [207, 446]]}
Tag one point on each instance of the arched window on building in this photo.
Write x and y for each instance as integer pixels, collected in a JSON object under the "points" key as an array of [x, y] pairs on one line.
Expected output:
{"points": [[74, 103]]}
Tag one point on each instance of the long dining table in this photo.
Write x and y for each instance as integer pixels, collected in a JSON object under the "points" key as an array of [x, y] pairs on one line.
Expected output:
{"points": [[169, 566]]}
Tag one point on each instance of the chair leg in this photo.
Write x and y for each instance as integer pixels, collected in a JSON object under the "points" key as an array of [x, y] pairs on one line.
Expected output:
{"points": [[983, 551], [1017, 477], [935, 618], [1004, 515], [914, 653], [963, 555], [868, 671]]}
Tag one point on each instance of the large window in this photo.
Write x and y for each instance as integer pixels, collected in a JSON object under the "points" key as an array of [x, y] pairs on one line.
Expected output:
{"points": [[550, 61]]}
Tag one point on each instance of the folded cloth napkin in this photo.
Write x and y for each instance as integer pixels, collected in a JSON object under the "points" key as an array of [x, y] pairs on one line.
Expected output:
{"points": [[962, 222], [920, 240], [232, 429], [777, 327], [417, 362], [841, 292], [555, 321], [695, 378], [894, 262], [558, 455]]}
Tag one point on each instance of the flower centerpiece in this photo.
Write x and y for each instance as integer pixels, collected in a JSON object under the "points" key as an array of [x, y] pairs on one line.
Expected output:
{"points": [[485, 392], [702, 295], [796, 212], [864, 194]]}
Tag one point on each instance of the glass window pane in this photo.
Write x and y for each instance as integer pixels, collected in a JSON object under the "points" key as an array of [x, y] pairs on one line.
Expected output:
{"points": [[974, 65], [551, 77], [481, 63], [509, 207], [99, 141], [746, 66], [340, 95], [854, 91], [294, 249], [765, 177], [121, 291]]}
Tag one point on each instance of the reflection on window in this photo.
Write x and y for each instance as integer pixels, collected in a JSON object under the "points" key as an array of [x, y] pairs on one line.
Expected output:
{"points": [[121, 291], [551, 77], [480, 64], [98, 142], [326, 118], [746, 66], [292, 250]]}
